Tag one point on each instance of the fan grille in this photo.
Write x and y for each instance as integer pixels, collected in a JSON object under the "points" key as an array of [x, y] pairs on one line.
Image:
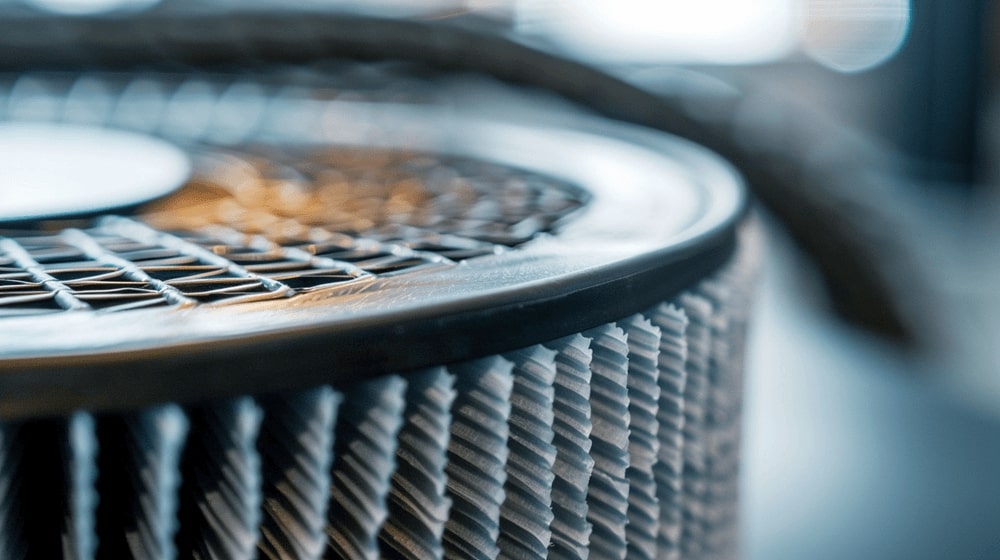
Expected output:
{"points": [[250, 228]]}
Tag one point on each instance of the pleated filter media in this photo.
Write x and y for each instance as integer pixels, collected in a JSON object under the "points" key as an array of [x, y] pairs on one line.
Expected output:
{"points": [[370, 328]]}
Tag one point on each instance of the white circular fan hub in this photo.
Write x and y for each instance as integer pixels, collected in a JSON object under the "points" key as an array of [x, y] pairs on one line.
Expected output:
{"points": [[51, 170]]}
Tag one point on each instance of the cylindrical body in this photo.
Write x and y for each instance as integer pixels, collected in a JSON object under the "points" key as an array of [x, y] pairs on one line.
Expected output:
{"points": [[380, 320]]}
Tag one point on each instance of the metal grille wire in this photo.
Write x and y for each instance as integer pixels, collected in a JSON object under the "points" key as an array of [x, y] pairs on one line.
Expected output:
{"points": [[450, 462], [236, 243], [256, 223]]}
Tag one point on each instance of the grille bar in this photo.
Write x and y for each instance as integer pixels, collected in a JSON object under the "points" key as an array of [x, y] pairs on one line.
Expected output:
{"points": [[142, 232], [267, 249], [62, 294], [91, 248]]}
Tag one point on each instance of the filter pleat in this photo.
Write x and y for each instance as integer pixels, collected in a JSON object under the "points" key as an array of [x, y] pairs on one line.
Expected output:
{"points": [[725, 408], [573, 465], [296, 449], [669, 468], [222, 486], [477, 457], [155, 442], [418, 507], [526, 513], [364, 460], [608, 492], [138, 480], [643, 396], [718, 437], [12, 543], [696, 394], [80, 538]]}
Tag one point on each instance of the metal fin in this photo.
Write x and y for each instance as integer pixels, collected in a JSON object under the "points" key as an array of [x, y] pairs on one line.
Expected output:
{"points": [[526, 513], [669, 469], [643, 397], [222, 482], [699, 336], [364, 460], [418, 507], [477, 457], [573, 465], [609, 489], [80, 537], [296, 448]]}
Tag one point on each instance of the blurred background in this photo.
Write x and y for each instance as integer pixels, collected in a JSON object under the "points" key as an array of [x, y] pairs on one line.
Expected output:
{"points": [[861, 441]]}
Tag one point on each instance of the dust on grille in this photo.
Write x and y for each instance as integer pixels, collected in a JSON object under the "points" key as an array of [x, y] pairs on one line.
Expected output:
{"points": [[263, 224]]}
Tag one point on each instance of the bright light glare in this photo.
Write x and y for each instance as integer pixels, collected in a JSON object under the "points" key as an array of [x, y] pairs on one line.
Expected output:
{"points": [[83, 7], [855, 35], [708, 31], [51, 170]]}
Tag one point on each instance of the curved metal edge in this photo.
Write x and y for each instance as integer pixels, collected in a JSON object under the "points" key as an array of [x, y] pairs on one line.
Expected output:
{"points": [[568, 295], [349, 352]]}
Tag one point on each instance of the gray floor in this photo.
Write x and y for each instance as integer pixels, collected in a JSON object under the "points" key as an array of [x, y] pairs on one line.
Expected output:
{"points": [[848, 454]]}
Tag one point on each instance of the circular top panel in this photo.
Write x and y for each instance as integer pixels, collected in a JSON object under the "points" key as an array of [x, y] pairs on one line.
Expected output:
{"points": [[345, 239], [49, 170]]}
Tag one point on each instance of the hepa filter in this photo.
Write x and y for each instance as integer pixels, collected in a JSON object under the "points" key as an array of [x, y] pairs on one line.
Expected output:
{"points": [[441, 336]]}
